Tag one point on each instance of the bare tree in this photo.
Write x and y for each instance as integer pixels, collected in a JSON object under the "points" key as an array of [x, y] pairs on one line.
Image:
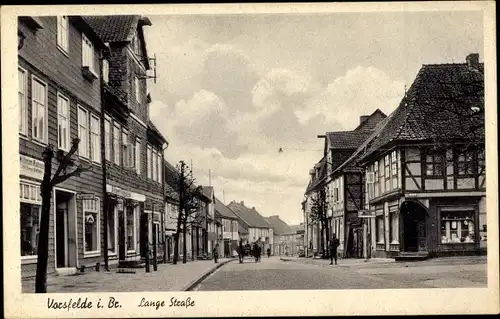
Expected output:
{"points": [[319, 214], [47, 186]]}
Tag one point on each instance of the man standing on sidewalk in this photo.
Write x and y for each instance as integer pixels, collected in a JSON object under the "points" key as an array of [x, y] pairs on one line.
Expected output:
{"points": [[334, 244], [216, 253]]}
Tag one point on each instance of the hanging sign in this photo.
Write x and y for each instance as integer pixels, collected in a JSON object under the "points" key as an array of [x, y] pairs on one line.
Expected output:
{"points": [[89, 219], [85, 196]]}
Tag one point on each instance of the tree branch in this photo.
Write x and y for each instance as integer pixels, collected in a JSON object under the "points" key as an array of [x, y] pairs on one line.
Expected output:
{"points": [[59, 179]]}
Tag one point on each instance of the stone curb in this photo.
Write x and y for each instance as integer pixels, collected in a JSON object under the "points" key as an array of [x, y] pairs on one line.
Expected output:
{"points": [[203, 276], [339, 265]]}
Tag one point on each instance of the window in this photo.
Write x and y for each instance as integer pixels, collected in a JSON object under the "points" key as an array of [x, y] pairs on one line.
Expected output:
{"points": [[434, 164], [149, 151], [116, 144], [336, 194], [457, 227], [380, 229], [83, 132], [23, 105], [155, 161], [63, 122], [63, 32], [387, 173], [91, 217], [137, 156], [376, 180], [112, 230], [465, 163], [30, 213], [105, 70], [137, 86], [125, 149], [39, 110], [394, 169], [95, 139], [88, 54], [130, 228], [158, 170], [107, 138], [481, 165]]}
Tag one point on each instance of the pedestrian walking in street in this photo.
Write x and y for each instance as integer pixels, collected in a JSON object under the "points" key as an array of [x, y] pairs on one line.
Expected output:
{"points": [[216, 253], [269, 253], [241, 252], [334, 244]]}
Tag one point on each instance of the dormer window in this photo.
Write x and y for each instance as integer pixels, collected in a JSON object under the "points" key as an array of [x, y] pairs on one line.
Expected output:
{"points": [[88, 59]]}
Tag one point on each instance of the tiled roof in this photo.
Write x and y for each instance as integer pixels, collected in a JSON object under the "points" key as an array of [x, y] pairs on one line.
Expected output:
{"points": [[346, 139], [279, 226], [115, 28], [223, 210], [248, 215], [322, 176], [153, 128], [208, 191], [437, 107], [371, 121], [241, 229]]}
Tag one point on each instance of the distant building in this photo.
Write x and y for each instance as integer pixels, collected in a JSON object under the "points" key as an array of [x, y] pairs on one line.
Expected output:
{"points": [[230, 226], [259, 230], [284, 236]]}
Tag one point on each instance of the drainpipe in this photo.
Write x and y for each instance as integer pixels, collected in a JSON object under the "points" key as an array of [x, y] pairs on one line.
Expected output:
{"points": [[103, 161]]}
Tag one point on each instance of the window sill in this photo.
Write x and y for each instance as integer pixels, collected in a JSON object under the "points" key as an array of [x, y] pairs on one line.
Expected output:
{"points": [[63, 50], [23, 136], [89, 74], [27, 260], [91, 254], [130, 252], [39, 142]]}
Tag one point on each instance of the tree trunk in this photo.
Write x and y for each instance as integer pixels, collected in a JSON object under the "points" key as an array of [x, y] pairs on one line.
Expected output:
{"points": [[184, 246], [43, 239], [322, 234], [192, 242]]}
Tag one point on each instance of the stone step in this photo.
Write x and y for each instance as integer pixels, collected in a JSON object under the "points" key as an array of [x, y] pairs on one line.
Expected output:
{"points": [[408, 256]]}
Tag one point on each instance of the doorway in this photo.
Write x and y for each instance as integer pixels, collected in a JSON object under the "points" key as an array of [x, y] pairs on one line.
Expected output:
{"points": [[65, 230], [414, 220]]}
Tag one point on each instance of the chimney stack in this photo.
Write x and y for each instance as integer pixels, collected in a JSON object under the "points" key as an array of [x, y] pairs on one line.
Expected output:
{"points": [[362, 118], [242, 203], [472, 60]]}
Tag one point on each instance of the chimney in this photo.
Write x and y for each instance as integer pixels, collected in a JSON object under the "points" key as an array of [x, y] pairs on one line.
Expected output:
{"points": [[472, 60], [363, 118], [242, 203]]}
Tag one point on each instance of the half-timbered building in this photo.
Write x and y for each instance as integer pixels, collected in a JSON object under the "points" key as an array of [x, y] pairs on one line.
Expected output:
{"points": [[59, 100], [344, 184], [425, 167]]}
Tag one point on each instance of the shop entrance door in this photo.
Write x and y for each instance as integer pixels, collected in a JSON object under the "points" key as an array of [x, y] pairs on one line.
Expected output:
{"points": [[414, 218], [65, 230]]}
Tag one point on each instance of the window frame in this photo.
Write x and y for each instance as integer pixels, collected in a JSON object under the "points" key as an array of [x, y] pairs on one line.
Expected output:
{"points": [[60, 97], [137, 156], [434, 163], [98, 158], [108, 139], [44, 139], [64, 47], [125, 148], [24, 109], [87, 153], [134, 231], [149, 156], [466, 167], [137, 87], [97, 212], [105, 70], [117, 149]]}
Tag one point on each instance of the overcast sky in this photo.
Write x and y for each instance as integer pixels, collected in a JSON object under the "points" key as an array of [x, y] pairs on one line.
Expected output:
{"points": [[233, 89]]}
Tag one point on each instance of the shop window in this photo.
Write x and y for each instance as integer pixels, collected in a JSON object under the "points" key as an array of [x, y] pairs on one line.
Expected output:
{"points": [[30, 213], [380, 229], [394, 227], [91, 217], [457, 227], [112, 233], [434, 164]]}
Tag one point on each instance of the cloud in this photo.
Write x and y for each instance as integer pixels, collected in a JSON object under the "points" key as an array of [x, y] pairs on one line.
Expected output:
{"points": [[359, 92]]}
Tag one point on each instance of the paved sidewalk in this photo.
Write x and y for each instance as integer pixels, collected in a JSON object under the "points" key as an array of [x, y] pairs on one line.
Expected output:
{"points": [[389, 262], [169, 277]]}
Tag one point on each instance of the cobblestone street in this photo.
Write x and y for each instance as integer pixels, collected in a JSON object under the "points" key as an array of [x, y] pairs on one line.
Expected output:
{"points": [[168, 278], [301, 273]]}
